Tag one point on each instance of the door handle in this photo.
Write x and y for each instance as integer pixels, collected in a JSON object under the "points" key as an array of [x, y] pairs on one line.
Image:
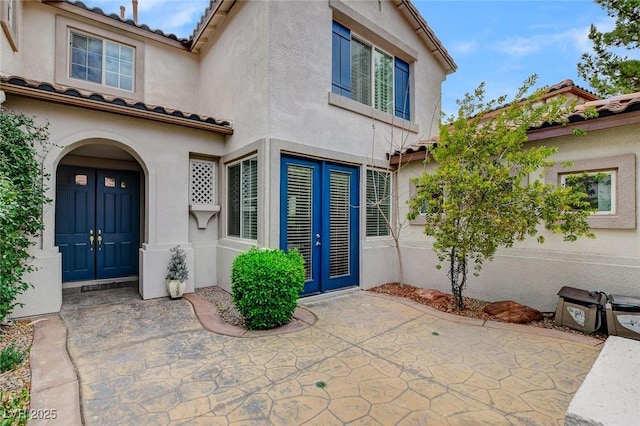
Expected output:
{"points": [[91, 239], [99, 239], [318, 243]]}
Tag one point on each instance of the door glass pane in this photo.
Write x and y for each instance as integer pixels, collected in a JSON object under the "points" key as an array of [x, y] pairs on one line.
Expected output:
{"points": [[81, 180], [109, 182], [339, 223], [299, 211]]}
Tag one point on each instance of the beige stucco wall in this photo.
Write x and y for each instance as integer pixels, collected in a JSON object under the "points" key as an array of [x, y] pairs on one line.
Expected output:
{"points": [[169, 72], [234, 77], [162, 151], [532, 273], [277, 90], [268, 69]]}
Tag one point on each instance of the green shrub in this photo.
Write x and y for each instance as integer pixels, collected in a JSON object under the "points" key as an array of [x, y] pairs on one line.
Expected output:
{"points": [[23, 145], [265, 285], [10, 357]]}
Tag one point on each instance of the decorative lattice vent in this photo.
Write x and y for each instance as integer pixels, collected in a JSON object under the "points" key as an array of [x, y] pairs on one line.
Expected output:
{"points": [[202, 182]]}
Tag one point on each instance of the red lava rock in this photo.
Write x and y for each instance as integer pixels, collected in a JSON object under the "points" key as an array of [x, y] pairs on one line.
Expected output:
{"points": [[432, 295], [510, 311]]}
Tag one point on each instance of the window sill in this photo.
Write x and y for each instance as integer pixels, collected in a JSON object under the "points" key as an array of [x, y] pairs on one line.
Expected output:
{"points": [[369, 111], [64, 27], [421, 220], [10, 34]]}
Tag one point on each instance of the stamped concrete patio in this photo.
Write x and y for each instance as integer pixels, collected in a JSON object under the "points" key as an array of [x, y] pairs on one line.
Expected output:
{"points": [[369, 359]]}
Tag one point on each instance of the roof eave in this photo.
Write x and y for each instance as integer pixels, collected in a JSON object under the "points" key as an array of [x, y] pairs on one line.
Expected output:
{"points": [[107, 20], [113, 108], [427, 35], [208, 26], [587, 125]]}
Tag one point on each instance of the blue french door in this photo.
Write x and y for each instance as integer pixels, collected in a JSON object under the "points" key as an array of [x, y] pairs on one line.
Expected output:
{"points": [[97, 223], [319, 217]]}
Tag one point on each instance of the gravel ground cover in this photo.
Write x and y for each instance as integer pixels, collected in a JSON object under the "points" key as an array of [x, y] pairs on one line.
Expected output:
{"points": [[473, 308], [12, 382]]}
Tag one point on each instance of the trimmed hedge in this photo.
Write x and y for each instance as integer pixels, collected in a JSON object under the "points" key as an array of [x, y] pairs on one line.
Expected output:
{"points": [[265, 285]]}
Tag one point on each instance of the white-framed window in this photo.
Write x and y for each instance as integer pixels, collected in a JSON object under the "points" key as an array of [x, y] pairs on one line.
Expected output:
{"points": [[378, 203], [101, 61], [9, 22], [98, 60], [368, 74], [600, 187], [242, 203], [428, 205]]}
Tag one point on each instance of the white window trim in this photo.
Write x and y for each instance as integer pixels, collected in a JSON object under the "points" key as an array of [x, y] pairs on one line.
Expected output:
{"points": [[372, 83], [391, 204], [103, 63], [64, 28], [625, 191], [228, 193], [9, 22], [612, 173]]}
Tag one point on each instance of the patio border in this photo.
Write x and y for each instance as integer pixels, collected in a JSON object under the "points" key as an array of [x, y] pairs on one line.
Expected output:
{"points": [[54, 384], [210, 319], [520, 328]]}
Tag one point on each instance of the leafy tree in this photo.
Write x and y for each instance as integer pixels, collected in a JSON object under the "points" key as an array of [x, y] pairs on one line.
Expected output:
{"points": [[478, 198], [22, 196], [608, 71]]}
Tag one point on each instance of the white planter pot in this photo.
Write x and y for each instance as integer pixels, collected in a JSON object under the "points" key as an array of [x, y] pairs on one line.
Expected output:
{"points": [[176, 288]]}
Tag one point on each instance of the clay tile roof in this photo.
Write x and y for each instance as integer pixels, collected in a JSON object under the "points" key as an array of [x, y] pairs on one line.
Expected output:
{"points": [[605, 108], [418, 146], [116, 17], [118, 105], [615, 105], [203, 19]]}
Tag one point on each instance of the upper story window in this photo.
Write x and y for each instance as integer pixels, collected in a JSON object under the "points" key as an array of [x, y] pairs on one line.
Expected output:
{"points": [[369, 75], [98, 59], [101, 61], [8, 20]]}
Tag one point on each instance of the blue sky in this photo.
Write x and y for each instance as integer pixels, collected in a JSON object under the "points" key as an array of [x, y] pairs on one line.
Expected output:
{"points": [[498, 42]]}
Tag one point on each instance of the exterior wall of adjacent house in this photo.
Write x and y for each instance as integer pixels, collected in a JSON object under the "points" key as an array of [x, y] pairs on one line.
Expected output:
{"points": [[277, 89], [533, 273]]}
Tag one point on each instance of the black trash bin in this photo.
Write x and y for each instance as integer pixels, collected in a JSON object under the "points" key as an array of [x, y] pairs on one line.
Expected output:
{"points": [[579, 309], [623, 316]]}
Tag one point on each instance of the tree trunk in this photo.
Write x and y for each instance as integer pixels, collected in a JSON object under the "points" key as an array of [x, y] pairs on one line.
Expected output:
{"points": [[458, 276], [400, 264]]}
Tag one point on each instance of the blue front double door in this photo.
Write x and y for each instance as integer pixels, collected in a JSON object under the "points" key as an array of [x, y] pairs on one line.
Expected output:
{"points": [[97, 222], [320, 218]]}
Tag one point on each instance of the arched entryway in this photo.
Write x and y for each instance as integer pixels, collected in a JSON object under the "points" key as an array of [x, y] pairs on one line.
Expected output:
{"points": [[98, 212]]}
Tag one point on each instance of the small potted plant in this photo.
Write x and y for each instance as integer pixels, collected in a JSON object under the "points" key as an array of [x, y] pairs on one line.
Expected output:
{"points": [[178, 273]]}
